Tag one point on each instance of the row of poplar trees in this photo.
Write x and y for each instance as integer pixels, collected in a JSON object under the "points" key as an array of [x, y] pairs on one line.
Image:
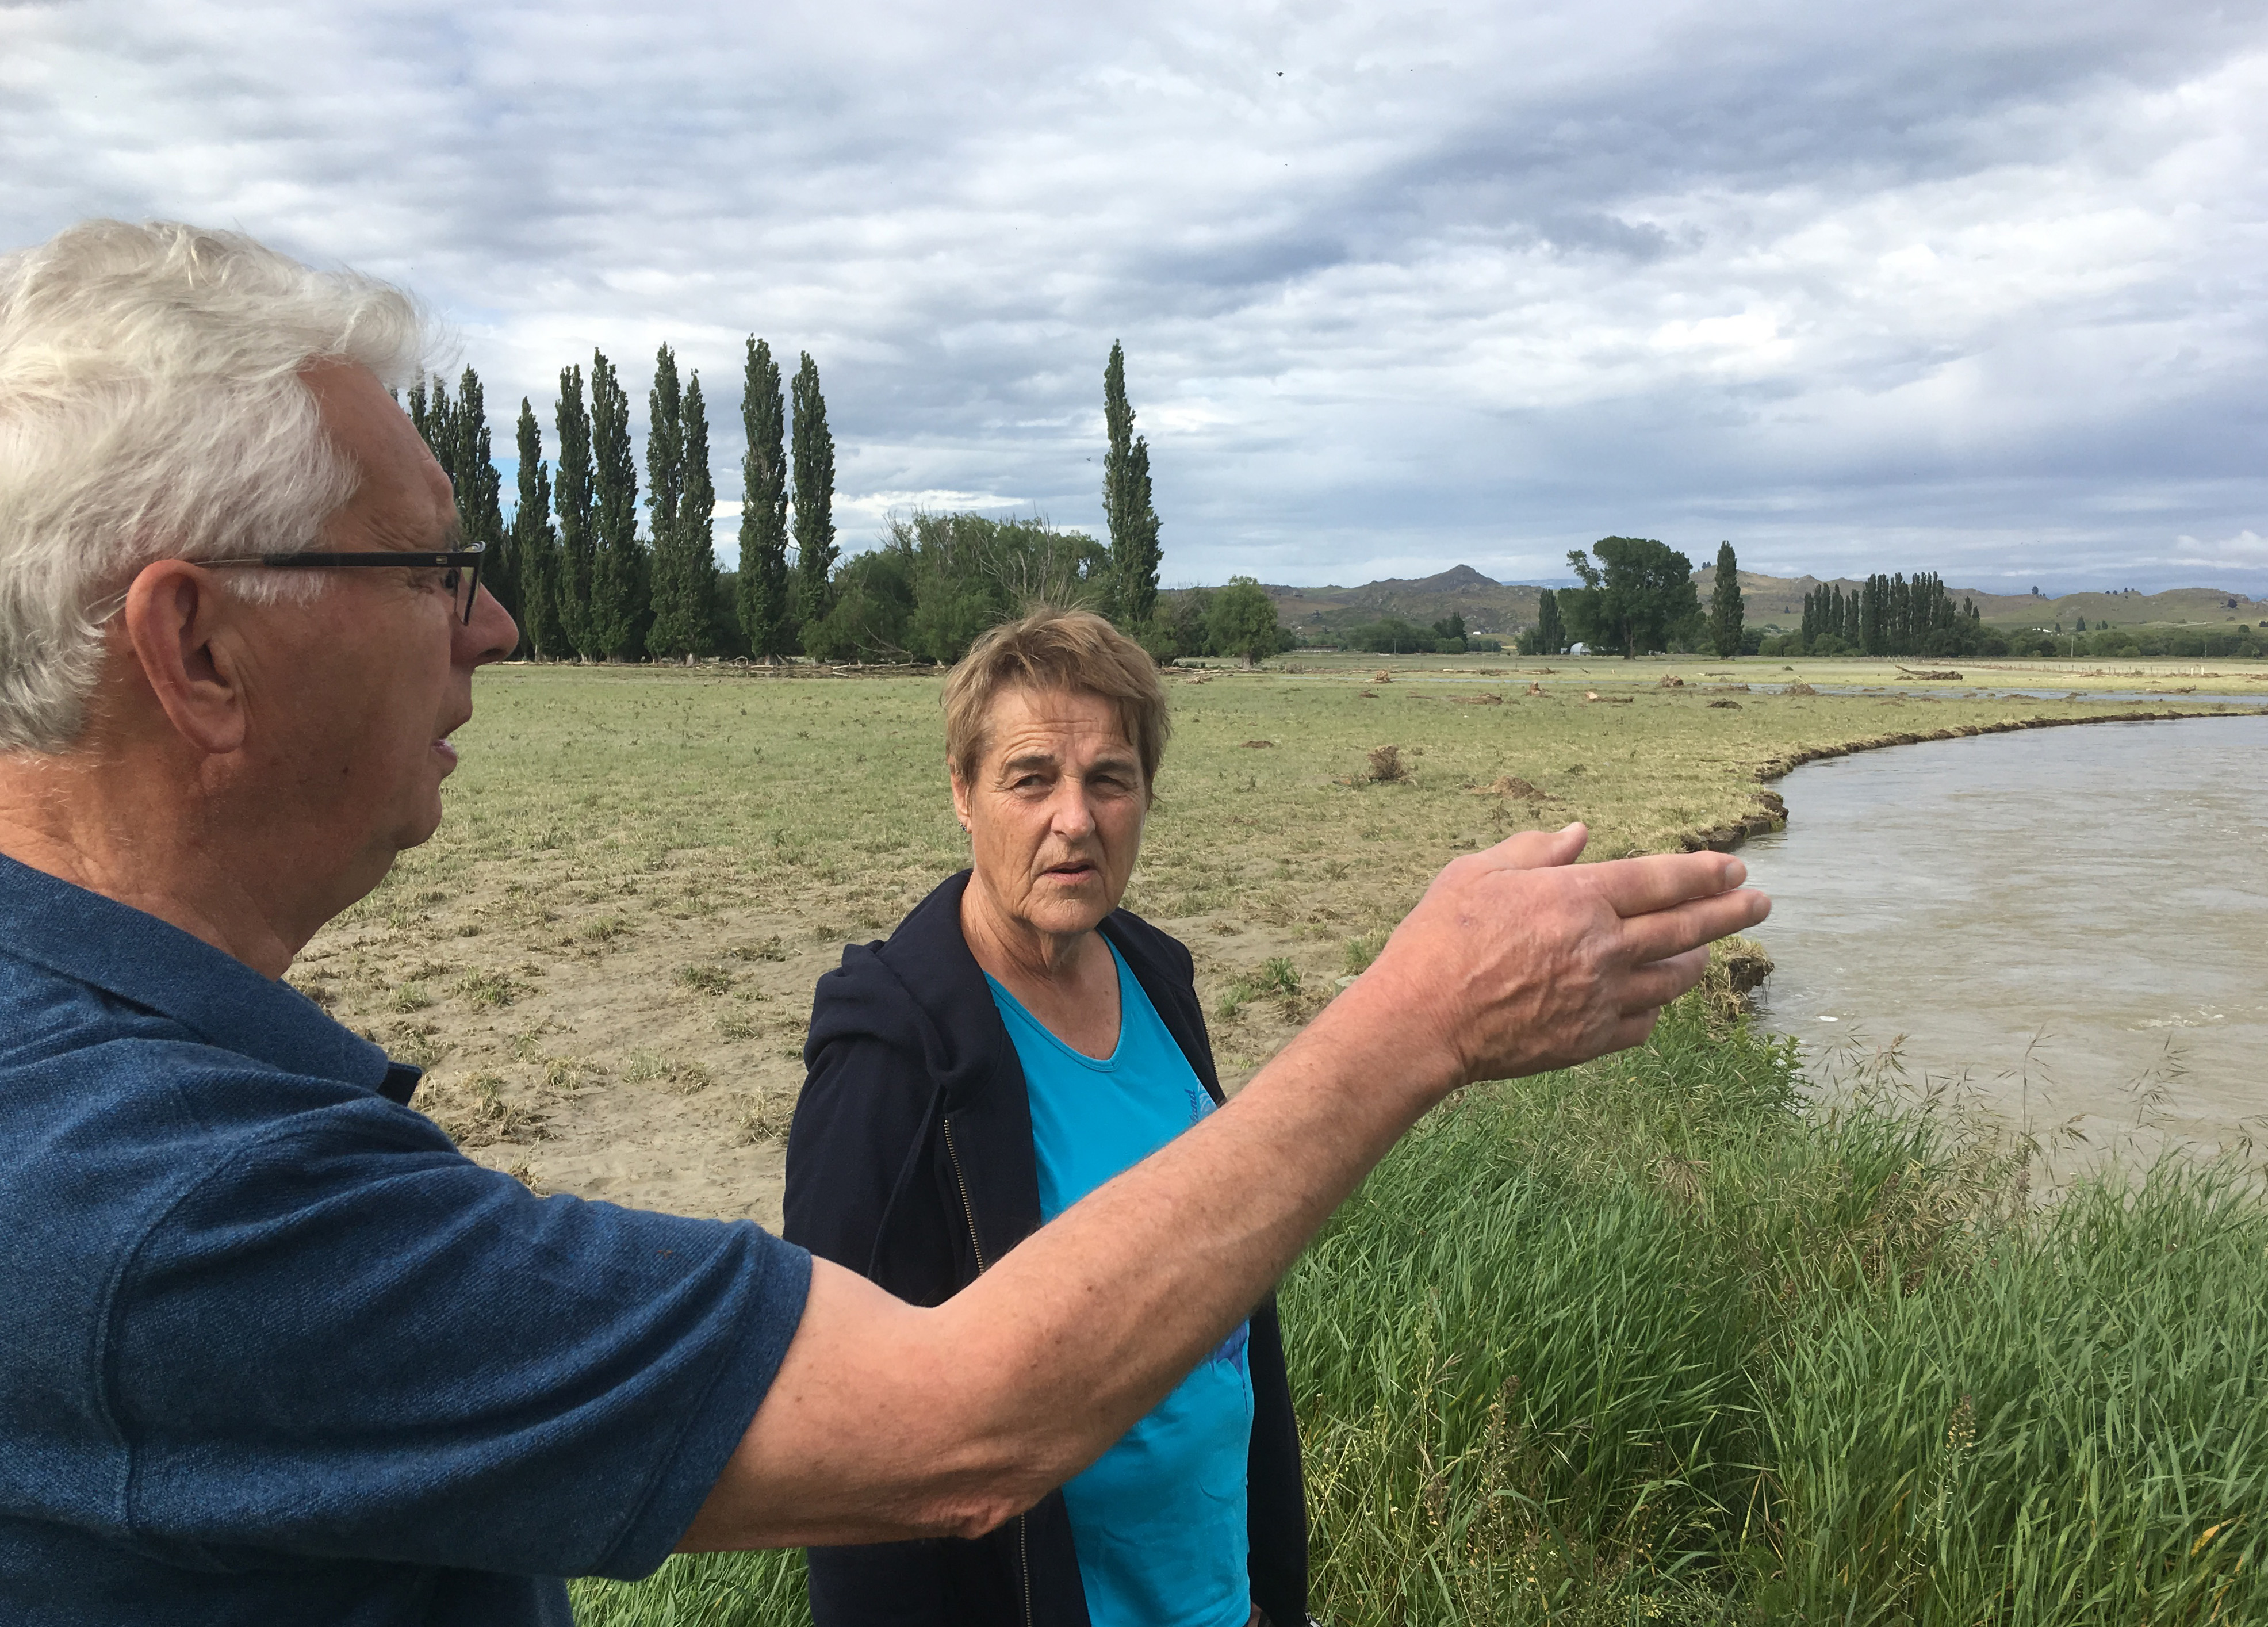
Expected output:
{"points": [[1889, 615], [573, 567], [583, 582]]}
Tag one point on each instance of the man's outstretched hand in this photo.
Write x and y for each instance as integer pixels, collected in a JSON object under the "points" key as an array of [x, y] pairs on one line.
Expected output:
{"points": [[1517, 960]]}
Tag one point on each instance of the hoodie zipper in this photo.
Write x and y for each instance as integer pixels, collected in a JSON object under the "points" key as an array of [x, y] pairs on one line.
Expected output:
{"points": [[967, 1209], [1024, 1561], [969, 1213]]}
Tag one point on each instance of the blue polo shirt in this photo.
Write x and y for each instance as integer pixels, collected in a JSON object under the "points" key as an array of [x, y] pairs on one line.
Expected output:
{"points": [[273, 1351]]}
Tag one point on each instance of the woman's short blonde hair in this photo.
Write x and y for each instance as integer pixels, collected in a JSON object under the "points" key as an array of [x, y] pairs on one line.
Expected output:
{"points": [[1057, 650]]}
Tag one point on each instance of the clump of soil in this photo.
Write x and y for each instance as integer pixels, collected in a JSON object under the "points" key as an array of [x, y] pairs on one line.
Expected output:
{"points": [[1799, 687], [1386, 766], [1509, 785], [1258, 745], [1726, 705], [1608, 700], [1671, 681]]}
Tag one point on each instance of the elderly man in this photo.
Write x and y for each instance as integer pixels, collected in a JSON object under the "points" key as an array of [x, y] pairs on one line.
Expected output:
{"points": [[274, 1352]]}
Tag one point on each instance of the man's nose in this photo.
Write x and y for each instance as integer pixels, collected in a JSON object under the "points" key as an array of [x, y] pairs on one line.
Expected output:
{"points": [[491, 634]]}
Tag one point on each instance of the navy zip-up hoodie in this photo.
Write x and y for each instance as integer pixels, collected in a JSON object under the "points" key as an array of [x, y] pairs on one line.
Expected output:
{"points": [[910, 1162]]}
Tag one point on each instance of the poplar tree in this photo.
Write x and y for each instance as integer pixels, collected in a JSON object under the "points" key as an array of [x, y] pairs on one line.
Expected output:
{"points": [[669, 636], [680, 499], [471, 466], [1550, 633], [814, 497], [1725, 607], [457, 434], [697, 515], [421, 413], [618, 568], [571, 496], [1134, 552], [766, 613], [536, 545]]}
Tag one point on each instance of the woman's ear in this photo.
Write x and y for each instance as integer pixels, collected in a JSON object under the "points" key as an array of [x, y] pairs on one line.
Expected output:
{"points": [[177, 618], [960, 793]]}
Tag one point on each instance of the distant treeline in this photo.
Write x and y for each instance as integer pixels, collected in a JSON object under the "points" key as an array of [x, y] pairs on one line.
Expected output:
{"points": [[1897, 616], [1887, 615]]}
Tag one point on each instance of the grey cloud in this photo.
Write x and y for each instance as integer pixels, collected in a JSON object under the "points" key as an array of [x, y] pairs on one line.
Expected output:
{"points": [[1943, 286]]}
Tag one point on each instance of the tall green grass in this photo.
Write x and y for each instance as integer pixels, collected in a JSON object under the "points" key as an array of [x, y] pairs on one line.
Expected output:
{"points": [[1653, 1341], [1649, 1340]]}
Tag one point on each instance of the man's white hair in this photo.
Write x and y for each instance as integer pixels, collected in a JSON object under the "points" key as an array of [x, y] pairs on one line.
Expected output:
{"points": [[151, 408]]}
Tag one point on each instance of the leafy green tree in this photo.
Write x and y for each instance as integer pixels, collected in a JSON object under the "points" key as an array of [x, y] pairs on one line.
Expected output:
{"points": [[873, 606], [815, 495], [1451, 626], [767, 607], [619, 571], [1133, 523], [1181, 624], [1642, 598], [1242, 621], [1725, 606], [1389, 634], [970, 573], [571, 495], [536, 545], [682, 502]]}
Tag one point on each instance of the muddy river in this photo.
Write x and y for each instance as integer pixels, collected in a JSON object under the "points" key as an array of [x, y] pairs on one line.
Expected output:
{"points": [[2068, 926]]}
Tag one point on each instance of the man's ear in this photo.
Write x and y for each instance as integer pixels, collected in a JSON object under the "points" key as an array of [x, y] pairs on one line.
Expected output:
{"points": [[172, 613]]}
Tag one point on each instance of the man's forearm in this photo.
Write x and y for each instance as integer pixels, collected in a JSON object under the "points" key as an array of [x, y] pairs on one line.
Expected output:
{"points": [[1043, 1362], [1132, 1286], [887, 1421]]}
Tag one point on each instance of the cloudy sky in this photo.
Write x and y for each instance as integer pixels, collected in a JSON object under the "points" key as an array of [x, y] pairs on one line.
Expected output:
{"points": [[1970, 288]]}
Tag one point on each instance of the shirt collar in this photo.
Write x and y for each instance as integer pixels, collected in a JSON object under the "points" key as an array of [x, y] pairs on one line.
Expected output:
{"points": [[155, 965]]}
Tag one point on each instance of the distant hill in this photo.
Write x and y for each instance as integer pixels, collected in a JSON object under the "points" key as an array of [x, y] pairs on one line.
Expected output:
{"points": [[1487, 605], [1503, 608]]}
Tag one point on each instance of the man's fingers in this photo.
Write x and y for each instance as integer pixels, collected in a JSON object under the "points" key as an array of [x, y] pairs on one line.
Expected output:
{"points": [[1637, 886], [1666, 933], [1539, 849], [1650, 988]]}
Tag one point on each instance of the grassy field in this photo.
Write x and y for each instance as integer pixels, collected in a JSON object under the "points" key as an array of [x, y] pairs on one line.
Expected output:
{"points": [[607, 954], [1642, 1341]]}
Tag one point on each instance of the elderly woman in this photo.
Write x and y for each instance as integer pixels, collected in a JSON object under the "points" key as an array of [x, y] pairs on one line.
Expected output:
{"points": [[1019, 1042]]}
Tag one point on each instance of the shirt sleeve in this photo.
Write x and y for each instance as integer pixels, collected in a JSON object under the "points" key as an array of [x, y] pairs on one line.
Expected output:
{"points": [[350, 1340]]}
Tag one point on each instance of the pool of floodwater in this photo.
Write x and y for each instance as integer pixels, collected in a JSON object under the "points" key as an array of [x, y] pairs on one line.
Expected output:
{"points": [[2069, 925]]}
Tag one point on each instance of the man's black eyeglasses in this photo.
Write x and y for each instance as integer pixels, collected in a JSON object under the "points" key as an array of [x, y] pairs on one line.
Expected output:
{"points": [[459, 569]]}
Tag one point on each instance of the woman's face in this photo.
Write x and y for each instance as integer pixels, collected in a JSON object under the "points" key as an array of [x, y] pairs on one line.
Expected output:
{"points": [[1054, 812]]}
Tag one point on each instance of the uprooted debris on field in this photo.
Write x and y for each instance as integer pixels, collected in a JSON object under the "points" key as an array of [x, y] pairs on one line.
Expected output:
{"points": [[1509, 785]]}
